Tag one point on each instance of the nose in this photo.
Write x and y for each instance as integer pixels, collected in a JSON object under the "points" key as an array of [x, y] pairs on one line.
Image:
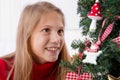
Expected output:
{"points": [[55, 37]]}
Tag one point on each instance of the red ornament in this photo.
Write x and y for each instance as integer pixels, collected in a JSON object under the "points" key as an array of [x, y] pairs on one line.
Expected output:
{"points": [[95, 15], [95, 11]]}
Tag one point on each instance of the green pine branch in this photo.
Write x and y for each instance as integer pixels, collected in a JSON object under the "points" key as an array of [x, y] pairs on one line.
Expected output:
{"points": [[109, 61]]}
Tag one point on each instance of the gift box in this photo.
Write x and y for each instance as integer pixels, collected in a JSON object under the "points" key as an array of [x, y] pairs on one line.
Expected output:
{"points": [[74, 76]]}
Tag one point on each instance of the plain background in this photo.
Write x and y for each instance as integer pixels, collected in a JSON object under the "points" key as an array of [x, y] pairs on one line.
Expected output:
{"points": [[10, 11]]}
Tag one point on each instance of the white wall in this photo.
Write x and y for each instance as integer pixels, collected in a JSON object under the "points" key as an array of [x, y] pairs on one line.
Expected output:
{"points": [[10, 11]]}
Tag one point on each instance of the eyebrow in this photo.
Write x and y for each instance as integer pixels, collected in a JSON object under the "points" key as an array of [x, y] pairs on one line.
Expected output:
{"points": [[51, 26]]}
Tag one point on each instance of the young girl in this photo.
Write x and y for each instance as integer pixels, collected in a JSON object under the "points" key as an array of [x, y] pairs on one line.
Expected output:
{"points": [[40, 45]]}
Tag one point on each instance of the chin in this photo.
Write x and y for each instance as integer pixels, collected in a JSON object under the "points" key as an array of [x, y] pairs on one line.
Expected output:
{"points": [[53, 60]]}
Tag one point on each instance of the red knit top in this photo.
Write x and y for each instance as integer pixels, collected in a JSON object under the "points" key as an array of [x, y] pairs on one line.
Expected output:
{"points": [[45, 71]]}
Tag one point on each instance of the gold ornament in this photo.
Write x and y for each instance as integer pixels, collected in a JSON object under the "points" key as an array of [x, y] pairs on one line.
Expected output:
{"points": [[110, 77]]}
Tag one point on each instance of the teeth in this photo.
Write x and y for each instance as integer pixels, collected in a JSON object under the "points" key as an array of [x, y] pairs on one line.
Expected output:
{"points": [[52, 49]]}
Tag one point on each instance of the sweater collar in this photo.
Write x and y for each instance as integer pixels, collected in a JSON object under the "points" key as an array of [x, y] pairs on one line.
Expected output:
{"points": [[46, 71]]}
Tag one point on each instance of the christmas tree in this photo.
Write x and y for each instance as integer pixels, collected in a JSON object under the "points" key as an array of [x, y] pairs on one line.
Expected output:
{"points": [[99, 54]]}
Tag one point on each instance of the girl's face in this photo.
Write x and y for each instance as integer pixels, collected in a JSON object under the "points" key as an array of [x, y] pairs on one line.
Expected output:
{"points": [[47, 38]]}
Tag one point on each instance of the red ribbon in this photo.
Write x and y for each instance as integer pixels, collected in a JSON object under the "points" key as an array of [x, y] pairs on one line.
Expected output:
{"points": [[79, 68], [107, 31], [118, 17], [100, 39]]}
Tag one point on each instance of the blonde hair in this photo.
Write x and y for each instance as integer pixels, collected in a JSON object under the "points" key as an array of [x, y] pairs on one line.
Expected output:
{"points": [[23, 60]]}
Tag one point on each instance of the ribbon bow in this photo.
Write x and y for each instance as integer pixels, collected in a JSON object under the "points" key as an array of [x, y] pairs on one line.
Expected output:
{"points": [[96, 46], [94, 51]]}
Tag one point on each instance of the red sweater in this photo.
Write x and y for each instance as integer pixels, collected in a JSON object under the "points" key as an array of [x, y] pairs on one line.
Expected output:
{"points": [[39, 71]]}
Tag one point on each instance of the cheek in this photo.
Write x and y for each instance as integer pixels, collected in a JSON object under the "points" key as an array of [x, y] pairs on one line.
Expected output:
{"points": [[62, 42], [34, 44], [38, 43]]}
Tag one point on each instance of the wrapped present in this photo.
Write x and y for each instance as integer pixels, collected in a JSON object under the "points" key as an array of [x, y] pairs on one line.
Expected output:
{"points": [[74, 76], [110, 77]]}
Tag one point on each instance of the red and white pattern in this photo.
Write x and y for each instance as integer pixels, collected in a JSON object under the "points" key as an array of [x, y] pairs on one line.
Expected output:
{"points": [[117, 40], [95, 15], [95, 10], [107, 31], [74, 76]]}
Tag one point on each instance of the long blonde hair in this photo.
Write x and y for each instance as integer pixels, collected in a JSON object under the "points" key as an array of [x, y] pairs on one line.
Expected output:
{"points": [[23, 60]]}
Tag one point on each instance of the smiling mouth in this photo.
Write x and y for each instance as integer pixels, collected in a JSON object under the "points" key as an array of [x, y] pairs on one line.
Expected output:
{"points": [[52, 48]]}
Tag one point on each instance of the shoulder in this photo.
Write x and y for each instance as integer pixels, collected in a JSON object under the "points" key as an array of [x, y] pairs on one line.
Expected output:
{"points": [[4, 69], [3, 64]]}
